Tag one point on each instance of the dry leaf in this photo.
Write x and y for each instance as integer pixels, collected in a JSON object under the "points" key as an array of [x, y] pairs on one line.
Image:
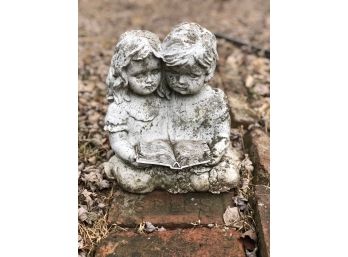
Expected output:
{"points": [[245, 183], [247, 164], [101, 205], [261, 89], [161, 229], [92, 216], [251, 253], [82, 214], [81, 166], [103, 184], [249, 240], [88, 199], [90, 177], [149, 227], [92, 160], [231, 215], [249, 81], [241, 202], [251, 234]]}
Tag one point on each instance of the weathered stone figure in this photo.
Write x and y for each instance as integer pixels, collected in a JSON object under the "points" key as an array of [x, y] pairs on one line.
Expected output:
{"points": [[170, 133], [198, 111], [134, 76]]}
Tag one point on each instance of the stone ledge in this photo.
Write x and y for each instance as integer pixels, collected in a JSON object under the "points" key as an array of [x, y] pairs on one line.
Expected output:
{"points": [[169, 210], [199, 242]]}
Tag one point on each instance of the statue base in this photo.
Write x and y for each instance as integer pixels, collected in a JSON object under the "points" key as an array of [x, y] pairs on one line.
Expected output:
{"points": [[216, 179]]}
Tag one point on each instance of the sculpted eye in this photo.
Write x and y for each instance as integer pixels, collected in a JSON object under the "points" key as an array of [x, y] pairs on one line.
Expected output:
{"points": [[138, 76]]}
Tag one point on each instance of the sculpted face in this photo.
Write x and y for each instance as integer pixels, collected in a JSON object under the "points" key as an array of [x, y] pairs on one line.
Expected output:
{"points": [[144, 76], [186, 79]]}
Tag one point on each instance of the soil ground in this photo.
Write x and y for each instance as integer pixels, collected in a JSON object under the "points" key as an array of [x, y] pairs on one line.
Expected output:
{"points": [[242, 74]]}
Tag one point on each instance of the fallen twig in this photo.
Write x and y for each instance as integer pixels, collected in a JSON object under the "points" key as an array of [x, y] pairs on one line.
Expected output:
{"points": [[240, 43]]}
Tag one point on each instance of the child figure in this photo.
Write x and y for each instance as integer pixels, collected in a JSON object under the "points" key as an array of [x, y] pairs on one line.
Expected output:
{"points": [[198, 112], [133, 115]]}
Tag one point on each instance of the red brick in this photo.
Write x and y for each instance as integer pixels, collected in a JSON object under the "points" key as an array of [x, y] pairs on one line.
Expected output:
{"points": [[262, 218], [169, 210], [241, 112], [258, 144], [199, 242]]}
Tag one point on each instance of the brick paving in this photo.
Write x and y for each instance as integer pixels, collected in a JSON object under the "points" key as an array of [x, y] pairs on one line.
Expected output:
{"points": [[201, 242], [171, 211]]}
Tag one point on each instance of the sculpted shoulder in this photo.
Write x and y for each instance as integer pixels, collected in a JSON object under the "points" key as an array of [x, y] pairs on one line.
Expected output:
{"points": [[116, 118], [115, 109], [214, 94], [217, 100]]}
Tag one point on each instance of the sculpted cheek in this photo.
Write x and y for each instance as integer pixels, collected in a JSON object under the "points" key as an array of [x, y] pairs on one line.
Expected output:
{"points": [[158, 77]]}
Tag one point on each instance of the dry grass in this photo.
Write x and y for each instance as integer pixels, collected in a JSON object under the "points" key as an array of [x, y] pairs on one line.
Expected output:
{"points": [[92, 235]]}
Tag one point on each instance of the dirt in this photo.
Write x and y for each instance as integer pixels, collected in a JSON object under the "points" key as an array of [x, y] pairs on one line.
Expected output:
{"points": [[243, 75]]}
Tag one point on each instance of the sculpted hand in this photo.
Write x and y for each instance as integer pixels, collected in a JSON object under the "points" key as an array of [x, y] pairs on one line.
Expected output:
{"points": [[132, 160], [218, 151], [131, 156], [215, 159]]}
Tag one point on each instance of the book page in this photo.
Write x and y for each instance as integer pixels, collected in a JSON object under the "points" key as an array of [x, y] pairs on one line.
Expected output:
{"points": [[190, 153], [158, 152]]}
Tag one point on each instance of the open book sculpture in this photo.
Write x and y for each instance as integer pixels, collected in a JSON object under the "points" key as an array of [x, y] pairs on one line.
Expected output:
{"points": [[168, 128], [177, 155]]}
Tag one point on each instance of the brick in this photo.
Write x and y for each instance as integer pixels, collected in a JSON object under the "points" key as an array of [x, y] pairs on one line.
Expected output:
{"points": [[169, 210], [257, 142], [241, 113], [262, 218], [198, 242]]}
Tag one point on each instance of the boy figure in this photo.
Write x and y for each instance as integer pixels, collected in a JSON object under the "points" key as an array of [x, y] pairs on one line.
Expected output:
{"points": [[196, 111]]}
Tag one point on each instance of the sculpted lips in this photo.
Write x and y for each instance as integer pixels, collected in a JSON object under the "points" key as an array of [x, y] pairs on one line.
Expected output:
{"points": [[150, 86], [181, 86]]}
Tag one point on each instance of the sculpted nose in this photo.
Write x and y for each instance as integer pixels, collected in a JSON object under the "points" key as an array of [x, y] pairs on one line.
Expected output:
{"points": [[149, 79], [181, 80]]}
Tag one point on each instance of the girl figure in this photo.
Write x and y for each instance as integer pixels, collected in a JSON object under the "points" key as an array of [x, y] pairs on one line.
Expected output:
{"points": [[133, 114]]}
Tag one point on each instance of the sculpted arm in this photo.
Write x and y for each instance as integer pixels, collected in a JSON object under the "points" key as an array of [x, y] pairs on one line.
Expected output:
{"points": [[222, 128], [121, 146], [220, 143], [117, 125]]}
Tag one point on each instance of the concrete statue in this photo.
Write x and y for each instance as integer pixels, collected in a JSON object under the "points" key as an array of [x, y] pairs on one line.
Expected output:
{"points": [[168, 128]]}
